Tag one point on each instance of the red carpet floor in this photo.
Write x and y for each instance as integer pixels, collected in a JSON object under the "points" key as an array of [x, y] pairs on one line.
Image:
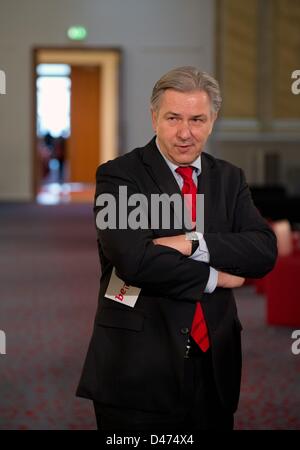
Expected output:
{"points": [[49, 275]]}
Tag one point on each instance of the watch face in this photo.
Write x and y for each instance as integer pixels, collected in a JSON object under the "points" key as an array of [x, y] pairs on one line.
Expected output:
{"points": [[195, 245]]}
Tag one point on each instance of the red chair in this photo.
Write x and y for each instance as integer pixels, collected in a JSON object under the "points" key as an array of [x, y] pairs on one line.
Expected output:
{"points": [[287, 243], [282, 288]]}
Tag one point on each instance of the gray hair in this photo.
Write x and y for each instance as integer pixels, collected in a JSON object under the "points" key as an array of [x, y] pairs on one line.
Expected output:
{"points": [[185, 79]]}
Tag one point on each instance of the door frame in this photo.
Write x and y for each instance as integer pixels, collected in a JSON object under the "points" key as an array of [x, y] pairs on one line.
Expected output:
{"points": [[109, 59]]}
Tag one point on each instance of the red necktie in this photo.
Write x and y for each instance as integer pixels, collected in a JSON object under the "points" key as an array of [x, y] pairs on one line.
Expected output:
{"points": [[199, 329]]}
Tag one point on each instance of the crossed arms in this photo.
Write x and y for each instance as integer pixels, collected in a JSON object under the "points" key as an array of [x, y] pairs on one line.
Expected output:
{"points": [[161, 266], [179, 243]]}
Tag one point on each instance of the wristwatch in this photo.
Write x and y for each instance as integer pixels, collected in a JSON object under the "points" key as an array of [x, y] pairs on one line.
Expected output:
{"points": [[193, 236]]}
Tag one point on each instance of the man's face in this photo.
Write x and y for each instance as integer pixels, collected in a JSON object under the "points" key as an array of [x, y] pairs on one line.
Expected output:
{"points": [[182, 123]]}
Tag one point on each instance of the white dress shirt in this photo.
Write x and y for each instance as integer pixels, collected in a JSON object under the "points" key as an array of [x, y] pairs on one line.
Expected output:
{"points": [[202, 253]]}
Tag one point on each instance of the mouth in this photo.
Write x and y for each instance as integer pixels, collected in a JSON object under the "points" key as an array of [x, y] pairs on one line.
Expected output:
{"points": [[184, 147]]}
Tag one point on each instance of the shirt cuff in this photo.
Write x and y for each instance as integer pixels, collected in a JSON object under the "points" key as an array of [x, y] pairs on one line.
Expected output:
{"points": [[212, 281], [202, 253]]}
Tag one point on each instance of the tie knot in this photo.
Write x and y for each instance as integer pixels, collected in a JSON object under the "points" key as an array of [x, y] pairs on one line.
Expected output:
{"points": [[185, 172]]}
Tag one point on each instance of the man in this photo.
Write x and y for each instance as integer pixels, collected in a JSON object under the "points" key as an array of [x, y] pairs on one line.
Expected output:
{"points": [[171, 359]]}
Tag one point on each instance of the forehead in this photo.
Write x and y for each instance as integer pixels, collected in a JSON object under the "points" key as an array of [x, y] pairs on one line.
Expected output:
{"points": [[193, 102]]}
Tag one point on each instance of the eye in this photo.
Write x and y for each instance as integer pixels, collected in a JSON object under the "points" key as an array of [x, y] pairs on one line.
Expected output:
{"points": [[172, 118]]}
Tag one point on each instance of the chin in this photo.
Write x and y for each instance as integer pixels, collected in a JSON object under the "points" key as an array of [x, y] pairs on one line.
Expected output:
{"points": [[186, 159]]}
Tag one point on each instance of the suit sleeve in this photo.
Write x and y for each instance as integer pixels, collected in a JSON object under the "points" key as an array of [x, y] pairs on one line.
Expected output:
{"points": [[250, 250], [157, 269]]}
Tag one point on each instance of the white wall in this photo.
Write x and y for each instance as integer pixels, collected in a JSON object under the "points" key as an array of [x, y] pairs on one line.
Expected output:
{"points": [[155, 36]]}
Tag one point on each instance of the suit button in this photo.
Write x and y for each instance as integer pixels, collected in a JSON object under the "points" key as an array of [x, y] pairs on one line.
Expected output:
{"points": [[184, 330]]}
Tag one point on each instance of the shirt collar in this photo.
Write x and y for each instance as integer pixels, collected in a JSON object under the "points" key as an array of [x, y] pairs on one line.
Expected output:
{"points": [[196, 164]]}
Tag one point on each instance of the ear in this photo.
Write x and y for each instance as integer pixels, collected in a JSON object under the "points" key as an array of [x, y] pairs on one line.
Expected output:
{"points": [[154, 119]]}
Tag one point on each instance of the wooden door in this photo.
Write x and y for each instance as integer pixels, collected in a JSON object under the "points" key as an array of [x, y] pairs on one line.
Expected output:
{"points": [[83, 145]]}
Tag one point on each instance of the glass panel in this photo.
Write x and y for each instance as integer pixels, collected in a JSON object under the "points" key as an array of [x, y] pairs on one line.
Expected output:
{"points": [[53, 106], [57, 70]]}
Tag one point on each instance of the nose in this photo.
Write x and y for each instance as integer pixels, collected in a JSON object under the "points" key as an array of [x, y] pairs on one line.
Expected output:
{"points": [[183, 130]]}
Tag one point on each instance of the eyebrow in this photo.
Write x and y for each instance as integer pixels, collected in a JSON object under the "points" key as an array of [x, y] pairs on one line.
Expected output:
{"points": [[198, 116], [172, 113]]}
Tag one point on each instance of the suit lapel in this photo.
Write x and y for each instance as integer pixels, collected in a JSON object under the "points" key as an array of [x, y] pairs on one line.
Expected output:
{"points": [[208, 184], [161, 175], [159, 170]]}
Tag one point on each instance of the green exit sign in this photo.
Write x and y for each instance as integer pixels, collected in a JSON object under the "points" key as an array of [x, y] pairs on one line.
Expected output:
{"points": [[77, 33]]}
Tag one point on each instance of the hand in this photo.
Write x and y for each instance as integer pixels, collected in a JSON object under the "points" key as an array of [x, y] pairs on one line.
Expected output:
{"points": [[226, 280], [178, 243]]}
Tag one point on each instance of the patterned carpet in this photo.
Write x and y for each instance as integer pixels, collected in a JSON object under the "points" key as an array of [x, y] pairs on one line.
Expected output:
{"points": [[48, 292]]}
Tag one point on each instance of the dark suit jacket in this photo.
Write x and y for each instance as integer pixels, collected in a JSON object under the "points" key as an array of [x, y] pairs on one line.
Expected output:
{"points": [[136, 355]]}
